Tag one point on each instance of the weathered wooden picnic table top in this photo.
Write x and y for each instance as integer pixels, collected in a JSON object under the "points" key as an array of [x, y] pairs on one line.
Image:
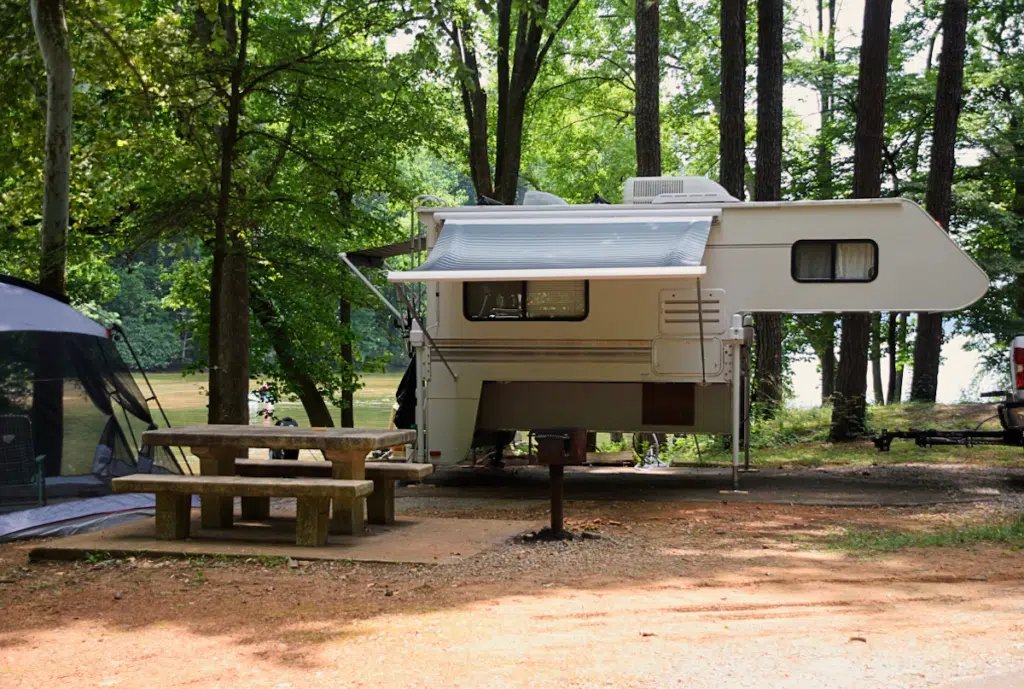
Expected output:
{"points": [[279, 437]]}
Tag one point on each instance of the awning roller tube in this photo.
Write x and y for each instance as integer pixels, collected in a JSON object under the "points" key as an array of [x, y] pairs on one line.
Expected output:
{"points": [[643, 273]]}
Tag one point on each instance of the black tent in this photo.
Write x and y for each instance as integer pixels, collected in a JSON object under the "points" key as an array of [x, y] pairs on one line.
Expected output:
{"points": [[62, 373]]}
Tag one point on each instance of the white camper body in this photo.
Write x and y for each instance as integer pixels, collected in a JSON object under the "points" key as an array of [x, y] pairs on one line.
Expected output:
{"points": [[654, 346]]}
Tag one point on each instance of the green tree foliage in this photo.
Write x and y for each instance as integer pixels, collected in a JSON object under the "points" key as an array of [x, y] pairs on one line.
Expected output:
{"points": [[988, 214], [346, 110]]}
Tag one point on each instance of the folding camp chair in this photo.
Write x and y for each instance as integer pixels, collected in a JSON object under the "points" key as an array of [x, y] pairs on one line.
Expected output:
{"points": [[19, 467]]}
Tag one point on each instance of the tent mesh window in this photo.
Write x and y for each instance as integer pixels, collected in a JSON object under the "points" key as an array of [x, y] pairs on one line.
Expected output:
{"points": [[17, 462], [86, 411]]}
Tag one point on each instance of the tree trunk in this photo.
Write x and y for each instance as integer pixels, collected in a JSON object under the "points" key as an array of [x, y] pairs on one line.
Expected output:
{"points": [[892, 339], [310, 396], [828, 369], [52, 34], [824, 184], [901, 346], [826, 89], [927, 358], [648, 105], [768, 171], [731, 110], [48, 386], [514, 85], [474, 110], [768, 187], [876, 358], [768, 381], [849, 414], [229, 311], [938, 201], [1015, 134], [869, 142], [915, 147], [506, 187], [849, 408], [347, 398]]}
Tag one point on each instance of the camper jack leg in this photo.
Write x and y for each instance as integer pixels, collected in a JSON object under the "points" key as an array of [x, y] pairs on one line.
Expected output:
{"points": [[736, 338], [737, 412]]}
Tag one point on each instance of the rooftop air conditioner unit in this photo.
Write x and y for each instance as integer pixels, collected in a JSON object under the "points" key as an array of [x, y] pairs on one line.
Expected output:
{"points": [[640, 190]]}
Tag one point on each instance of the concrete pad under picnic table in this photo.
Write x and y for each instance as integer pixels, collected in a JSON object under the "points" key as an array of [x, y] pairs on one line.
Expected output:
{"points": [[417, 540]]}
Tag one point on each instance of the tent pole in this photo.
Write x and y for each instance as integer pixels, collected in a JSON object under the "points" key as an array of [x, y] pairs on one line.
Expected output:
{"points": [[152, 396], [131, 431]]}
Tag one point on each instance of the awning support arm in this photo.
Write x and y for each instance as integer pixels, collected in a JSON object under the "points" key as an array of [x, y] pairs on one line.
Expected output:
{"points": [[423, 328], [393, 309], [373, 288]]}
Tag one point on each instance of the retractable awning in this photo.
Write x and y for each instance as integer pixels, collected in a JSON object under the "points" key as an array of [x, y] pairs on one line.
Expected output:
{"points": [[592, 248]]}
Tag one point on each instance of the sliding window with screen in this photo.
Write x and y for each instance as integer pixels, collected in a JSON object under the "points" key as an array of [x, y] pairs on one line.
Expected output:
{"points": [[526, 300], [835, 260]]}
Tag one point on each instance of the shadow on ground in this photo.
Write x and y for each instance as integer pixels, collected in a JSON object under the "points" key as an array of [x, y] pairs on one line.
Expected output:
{"points": [[887, 485], [675, 582]]}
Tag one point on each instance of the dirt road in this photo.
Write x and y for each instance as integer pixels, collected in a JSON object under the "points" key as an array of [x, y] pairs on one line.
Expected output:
{"points": [[671, 594]]}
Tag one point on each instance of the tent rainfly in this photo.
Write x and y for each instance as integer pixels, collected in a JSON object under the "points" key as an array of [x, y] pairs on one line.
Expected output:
{"points": [[62, 373]]}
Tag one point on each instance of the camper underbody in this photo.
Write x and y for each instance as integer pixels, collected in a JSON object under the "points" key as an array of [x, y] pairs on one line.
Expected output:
{"points": [[636, 317]]}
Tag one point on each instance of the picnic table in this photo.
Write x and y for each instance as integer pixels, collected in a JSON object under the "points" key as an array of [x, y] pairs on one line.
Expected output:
{"points": [[218, 446]]}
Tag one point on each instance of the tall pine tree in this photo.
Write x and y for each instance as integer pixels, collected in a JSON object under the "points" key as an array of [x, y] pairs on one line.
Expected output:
{"points": [[768, 187], [849, 404], [949, 94]]}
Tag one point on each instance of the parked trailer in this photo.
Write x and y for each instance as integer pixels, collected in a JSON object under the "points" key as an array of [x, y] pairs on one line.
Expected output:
{"points": [[1009, 412], [636, 317]]}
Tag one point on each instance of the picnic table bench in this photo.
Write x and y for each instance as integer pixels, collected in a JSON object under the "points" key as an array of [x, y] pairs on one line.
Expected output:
{"points": [[313, 499], [380, 504], [218, 446]]}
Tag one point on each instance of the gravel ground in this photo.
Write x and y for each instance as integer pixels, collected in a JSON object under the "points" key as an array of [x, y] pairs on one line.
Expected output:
{"points": [[694, 593]]}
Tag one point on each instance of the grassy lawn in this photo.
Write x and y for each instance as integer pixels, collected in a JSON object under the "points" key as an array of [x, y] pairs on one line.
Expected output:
{"points": [[1009, 532], [799, 437], [184, 399], [795, 437]]}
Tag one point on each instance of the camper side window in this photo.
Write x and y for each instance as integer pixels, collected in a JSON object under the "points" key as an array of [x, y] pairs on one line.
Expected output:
{"points": [[817, 260], [525, 300]]}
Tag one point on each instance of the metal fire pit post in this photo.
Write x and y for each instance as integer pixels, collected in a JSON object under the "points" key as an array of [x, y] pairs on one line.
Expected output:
{"points": [[557, 474], [558, 447]]}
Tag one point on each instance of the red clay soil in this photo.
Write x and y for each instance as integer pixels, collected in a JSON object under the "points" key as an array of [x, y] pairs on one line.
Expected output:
{"points": [[670, 595]]}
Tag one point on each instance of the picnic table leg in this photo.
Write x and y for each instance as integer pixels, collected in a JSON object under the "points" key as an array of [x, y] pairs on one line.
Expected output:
{"points": [[348, 518], [380, 505], [255, 509], [311, 521], [173, 514], [217, 510]]}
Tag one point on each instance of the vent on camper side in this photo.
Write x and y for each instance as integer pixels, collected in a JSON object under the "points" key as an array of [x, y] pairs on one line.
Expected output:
{"points": [[674, 190], [680, 309]]}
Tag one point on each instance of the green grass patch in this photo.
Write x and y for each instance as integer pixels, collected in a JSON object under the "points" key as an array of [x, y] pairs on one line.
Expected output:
{"points": [[883, 541], [799, 437]]}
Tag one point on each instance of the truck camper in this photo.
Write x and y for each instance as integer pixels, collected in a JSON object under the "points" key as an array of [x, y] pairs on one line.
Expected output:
{"points": [[637, 316]]}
